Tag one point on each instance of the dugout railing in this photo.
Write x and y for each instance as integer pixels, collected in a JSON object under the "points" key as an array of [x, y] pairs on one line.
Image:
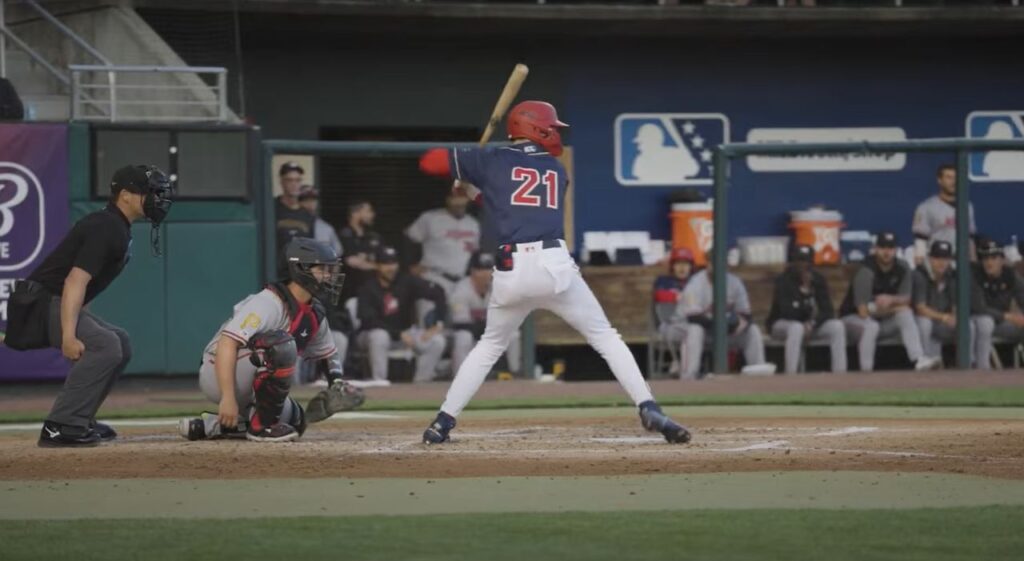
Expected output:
{"points": [[725, 154]]}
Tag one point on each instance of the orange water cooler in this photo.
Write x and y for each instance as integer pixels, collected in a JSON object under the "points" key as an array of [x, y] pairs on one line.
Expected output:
{"points": [[818, 228], [693, 228]]}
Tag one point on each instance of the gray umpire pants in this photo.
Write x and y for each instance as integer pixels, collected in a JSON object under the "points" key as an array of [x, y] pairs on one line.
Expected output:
{"points": [[987, 328], [750, 341], [378, 344], [794, 333], [866, 332], [107, 352]]}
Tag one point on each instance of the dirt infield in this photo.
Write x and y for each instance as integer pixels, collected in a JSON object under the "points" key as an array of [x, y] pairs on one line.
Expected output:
{"points": [[556, 442], [549, 443]]}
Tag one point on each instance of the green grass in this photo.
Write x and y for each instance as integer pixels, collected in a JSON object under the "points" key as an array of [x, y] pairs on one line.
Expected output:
{"points": [[968, 397], [988, 533]]}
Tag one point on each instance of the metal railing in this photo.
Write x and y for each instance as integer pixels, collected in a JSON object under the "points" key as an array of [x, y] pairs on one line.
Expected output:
{"points": [[724, 155], [115, 95]]}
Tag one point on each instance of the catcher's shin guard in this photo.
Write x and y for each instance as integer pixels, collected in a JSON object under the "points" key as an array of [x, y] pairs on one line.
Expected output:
{"points": [[275, 354]]}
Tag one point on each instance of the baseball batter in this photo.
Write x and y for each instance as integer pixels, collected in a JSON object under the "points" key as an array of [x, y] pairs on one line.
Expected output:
{"points": [[248, 365], [522, 187]]}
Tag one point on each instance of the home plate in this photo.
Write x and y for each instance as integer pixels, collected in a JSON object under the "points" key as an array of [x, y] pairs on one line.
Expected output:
{"points": [[628, 439], [772, 445]]}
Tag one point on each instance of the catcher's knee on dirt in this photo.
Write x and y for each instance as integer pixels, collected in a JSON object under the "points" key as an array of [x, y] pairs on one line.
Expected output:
{"points": [[274, 352]]}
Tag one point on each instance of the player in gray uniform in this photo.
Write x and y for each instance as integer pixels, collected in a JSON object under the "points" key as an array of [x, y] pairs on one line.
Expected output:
{"points": [[1000, 287], [449, 236], [248, 365], [878, 305], [468, 304], [696, 304], [934, 300], [935, 218]]}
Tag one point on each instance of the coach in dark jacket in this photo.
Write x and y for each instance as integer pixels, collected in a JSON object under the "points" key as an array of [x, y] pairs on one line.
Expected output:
{"points": [[802, 310], [388, 317]]}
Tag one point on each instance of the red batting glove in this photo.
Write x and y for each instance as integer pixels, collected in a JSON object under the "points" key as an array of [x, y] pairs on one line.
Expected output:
{"points": [[435, 162]]}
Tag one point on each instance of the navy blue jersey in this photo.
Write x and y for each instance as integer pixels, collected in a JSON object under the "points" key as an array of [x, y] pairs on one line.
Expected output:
{"points": [[523, 189]]}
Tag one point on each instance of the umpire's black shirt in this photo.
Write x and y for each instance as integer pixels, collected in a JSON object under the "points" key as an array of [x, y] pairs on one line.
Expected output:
{"points": [[99, 244]]}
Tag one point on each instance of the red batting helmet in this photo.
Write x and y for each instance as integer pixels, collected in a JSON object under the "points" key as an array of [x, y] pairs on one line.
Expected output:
{"points": [[681, 254], [536, 121]]}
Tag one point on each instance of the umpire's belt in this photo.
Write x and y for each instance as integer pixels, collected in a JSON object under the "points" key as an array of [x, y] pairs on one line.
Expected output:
{"points": [[532, 246]]}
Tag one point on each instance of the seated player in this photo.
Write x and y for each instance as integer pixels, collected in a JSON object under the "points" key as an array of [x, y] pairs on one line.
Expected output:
{"points": [[388, 318], [1000, 287], [469, 302], [878, 305], [934, 299], [248, 366], [802, 310], [697, 305]]}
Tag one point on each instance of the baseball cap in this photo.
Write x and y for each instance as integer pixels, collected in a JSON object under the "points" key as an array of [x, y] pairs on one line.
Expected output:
{"points": [[132, 178], [885, 239], [307, 192], [941, 249], [288, 167], [681, 254], [386, 254], [989, 248], [481, 260]]}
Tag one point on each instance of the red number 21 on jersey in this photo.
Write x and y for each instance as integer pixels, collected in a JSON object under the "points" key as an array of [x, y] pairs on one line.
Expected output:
{"points": [[529, 178]]}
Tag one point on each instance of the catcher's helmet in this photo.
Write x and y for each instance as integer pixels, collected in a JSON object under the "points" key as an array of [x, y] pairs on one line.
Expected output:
{"points": [[302, 255], [536, 121]]}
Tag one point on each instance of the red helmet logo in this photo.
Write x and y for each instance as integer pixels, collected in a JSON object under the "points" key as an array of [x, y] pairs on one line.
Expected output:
{"points": [[536, 121]]}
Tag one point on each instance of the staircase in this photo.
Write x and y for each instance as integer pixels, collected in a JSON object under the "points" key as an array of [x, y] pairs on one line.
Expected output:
{"points": [[104, 63]]}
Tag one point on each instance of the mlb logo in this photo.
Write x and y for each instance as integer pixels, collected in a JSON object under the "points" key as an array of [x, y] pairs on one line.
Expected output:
{"points": [[1001, 165], [667, 148]]}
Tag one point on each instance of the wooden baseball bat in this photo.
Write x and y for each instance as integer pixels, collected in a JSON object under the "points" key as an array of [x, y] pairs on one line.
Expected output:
{"points": [[515, 81]]}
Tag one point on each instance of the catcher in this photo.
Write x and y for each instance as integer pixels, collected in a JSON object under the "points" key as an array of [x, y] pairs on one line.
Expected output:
{"points": [[248, 367]]}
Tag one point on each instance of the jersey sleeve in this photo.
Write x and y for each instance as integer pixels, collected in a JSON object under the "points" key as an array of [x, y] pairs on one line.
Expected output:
{"points": [[419, 229], [258, 314], [468, 164]]}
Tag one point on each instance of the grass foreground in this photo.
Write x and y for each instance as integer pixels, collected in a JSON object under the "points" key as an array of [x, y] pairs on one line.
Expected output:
{"points": [[926, 534]]}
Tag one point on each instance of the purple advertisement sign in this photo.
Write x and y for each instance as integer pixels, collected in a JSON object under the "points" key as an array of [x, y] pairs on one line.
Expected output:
{"points": [[33, 219]]}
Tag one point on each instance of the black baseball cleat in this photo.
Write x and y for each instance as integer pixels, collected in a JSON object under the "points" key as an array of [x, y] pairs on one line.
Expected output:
{"points": [[655, 421], [54, 435], [437, 432], [104, 431], [280, 432]]}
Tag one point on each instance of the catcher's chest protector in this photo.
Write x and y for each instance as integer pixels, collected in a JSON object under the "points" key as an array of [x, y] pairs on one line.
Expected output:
{"points": [[306, 319]]}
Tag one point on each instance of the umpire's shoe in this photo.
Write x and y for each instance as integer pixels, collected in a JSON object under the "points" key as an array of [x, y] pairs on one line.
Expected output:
{"points": [[104, 431], [55, 435], [655, 421], [438, 431]]}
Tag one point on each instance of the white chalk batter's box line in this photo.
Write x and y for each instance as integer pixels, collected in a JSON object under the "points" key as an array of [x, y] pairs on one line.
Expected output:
{"points": [[141, 423]]}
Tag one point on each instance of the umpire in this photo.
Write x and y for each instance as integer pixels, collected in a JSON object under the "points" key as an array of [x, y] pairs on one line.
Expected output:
{"points": [[46, 310]]}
